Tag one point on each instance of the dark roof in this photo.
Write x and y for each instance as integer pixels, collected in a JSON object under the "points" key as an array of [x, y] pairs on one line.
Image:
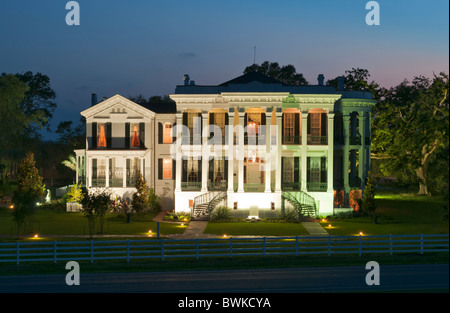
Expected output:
{"points": [[161, 107], [251, 77]]}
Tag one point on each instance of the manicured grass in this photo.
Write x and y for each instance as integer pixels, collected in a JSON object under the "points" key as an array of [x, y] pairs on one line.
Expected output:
{"points": [[400, 214], [53, 222], [256, 229]]}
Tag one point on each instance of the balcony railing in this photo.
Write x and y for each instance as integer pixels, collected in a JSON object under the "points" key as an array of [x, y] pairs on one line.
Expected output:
{"points": [[254, 140], [355, 141], [292, 140], [191, 140], [116, 182], [218, 186], [98, 182], [290, 186], [317, 140], [254, 187], [191, 186], [317, 186]]}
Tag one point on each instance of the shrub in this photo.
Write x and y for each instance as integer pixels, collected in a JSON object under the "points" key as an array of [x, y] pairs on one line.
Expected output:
{"points": [[221, 214]]}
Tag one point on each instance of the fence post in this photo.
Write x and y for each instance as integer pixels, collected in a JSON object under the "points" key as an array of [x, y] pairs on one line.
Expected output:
{"points": [[329, 245], [162, 249], [231, 247], [18, 253], [360, 245], [296, 245], [391, 245], [421, 243], [92, 251], [264, 246], [196, 249], [54, 252], [128, 250]]}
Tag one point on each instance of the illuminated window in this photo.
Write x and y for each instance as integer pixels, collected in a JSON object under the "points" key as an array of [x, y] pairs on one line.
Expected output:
{"points": [[167, 169], [167, 133], [101, 141], [289, 131], [135, 136]]}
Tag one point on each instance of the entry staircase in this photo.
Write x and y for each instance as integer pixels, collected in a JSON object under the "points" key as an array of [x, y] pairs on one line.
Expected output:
{"points": [[301, 201], [205, 203]]}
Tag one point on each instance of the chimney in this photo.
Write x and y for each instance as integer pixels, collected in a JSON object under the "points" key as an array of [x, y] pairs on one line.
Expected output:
{"points": [[320, 79], [192, 83], [341, 80], [186, 79], [93, 99]]}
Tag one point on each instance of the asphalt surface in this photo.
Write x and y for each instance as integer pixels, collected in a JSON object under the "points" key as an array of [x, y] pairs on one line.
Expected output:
{"points": [[401, 278]]}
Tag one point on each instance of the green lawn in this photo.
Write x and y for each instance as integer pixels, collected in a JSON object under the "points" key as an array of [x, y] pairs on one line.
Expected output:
{"points": [[400, 214], [54, 222], [256, 229]]}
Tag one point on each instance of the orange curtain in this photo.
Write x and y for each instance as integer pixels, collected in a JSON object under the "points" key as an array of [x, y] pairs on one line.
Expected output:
{"points": [[102, 137], [135, 139]]}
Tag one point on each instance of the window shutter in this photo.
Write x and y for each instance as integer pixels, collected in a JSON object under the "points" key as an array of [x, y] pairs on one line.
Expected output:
{"points": [[199, 176], [211, 170], [94, 168], [225, 170], [94, 135], [174, 133], [127, 135], [296, 169], [323, 169], [160, 168], [108, 135], [142, 134], [308, 171], [282, 127], [282, 169], [174, 169], [160, 133], [263, 118], [297, 127], [184, 170], [324, 124], [309, 124]]}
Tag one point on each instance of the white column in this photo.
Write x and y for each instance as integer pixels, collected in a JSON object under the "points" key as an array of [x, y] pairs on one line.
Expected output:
{"points": [[77, 164], [278, 169], [267, 164], [345, 159], [205, 158], [304, 170], [178, 155], [230, 152], [330, 157], [241, 150], [124, 166], [107, 172], [88, 171], [362, 148]]}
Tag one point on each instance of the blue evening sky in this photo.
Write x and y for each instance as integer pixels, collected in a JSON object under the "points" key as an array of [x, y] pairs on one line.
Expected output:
{"points": [[145, 47]]}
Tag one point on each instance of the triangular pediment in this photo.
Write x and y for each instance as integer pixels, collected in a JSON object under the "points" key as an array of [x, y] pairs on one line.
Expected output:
{"points": [[117, 105]]}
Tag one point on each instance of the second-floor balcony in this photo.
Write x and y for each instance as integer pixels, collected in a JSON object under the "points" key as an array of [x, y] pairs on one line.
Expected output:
{"points": [[317, 140]]}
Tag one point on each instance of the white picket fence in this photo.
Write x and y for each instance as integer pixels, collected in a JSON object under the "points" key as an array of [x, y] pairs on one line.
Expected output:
{"points": [[93, 250]]}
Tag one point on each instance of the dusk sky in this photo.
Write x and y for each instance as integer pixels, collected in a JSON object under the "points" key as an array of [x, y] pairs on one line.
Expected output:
{"points": [[145, 47]]}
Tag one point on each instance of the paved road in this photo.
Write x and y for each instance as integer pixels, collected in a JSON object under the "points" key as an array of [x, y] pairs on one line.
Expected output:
{"points": [[286, 280]]}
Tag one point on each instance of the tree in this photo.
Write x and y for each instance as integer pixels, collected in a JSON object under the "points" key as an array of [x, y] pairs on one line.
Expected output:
{"points": [[368, 200], [95, 204], [286, 74], [140, 199], [154, 202], [357, 79], [411, 126], [30, 189]]}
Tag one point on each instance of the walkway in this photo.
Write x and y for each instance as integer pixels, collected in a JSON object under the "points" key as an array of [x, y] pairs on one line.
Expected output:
{"points": [[196, 229]]}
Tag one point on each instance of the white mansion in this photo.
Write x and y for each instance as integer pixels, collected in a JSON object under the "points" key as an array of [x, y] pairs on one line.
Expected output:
{"points": [[252, 143]]}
